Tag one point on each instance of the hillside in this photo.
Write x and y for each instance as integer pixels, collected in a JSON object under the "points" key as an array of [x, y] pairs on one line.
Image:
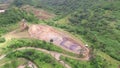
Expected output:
{"points": [[60, 33], [59, 7], [12, 16], [98, 25]]}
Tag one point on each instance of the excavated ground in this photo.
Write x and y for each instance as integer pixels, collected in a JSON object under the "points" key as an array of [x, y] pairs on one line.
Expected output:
{"points": [[50, 34]]}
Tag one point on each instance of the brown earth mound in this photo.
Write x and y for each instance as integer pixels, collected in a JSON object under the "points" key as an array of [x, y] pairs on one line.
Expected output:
{"points": [[49, 34]]}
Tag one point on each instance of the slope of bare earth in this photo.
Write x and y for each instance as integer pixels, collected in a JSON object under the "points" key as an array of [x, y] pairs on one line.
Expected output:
{"points": [[49, 34], [39, 13]]}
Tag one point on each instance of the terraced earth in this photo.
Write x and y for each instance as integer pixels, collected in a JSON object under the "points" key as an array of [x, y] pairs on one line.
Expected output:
{"points": [[48, 34]]}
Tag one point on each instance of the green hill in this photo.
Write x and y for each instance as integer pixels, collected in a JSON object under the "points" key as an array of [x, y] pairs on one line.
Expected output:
{"points": [[96, 22], [57, 6], [98, 25]]}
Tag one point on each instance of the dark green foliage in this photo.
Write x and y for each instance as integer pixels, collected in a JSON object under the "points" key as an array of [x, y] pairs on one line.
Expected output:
{"points": [[60, 7], [96, 62], [2, 40], [12, 16], [20, 3], [63, 7], [98, 25]]}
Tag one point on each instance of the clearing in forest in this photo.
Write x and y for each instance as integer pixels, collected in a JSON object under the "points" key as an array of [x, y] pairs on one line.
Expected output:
{"points": [[50, 34]]}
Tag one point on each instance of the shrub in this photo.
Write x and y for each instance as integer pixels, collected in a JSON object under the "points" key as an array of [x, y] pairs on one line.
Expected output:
{"points": [[2, 40]]}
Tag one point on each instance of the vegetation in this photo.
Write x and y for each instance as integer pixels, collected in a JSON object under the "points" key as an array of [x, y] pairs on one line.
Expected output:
{"points": [[20, 3], [14, 63], [2, 39], [98, 26], [97, 22], [98, 59], [97, 62], [18, 43], [40, 59], [13, 16], [61, 7]]}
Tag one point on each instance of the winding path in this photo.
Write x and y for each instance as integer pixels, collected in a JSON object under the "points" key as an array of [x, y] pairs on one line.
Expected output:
{"points": [[54, 54]]}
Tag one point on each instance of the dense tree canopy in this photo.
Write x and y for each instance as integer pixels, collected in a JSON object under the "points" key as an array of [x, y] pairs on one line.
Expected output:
{"points": [[99, 25], [14, 15]]}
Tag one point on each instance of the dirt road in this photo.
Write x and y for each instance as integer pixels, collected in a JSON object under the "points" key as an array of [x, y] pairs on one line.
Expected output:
{"points": [[54, 54]]}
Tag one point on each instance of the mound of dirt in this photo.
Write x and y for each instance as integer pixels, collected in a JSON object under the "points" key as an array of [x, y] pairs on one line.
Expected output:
{"points": [[49, 34]]}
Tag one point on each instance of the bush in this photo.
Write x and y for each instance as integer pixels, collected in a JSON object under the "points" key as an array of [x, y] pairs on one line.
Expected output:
{"points": [[2, 40]]}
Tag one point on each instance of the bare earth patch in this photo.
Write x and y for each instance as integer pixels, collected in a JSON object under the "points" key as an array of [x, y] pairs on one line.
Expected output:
{"points": [[39, 13], [49, 34]]}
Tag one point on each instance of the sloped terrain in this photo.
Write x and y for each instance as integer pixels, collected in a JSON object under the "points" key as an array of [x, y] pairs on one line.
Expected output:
{"points": [[39, 13], [67, 22], [49, 34]]}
